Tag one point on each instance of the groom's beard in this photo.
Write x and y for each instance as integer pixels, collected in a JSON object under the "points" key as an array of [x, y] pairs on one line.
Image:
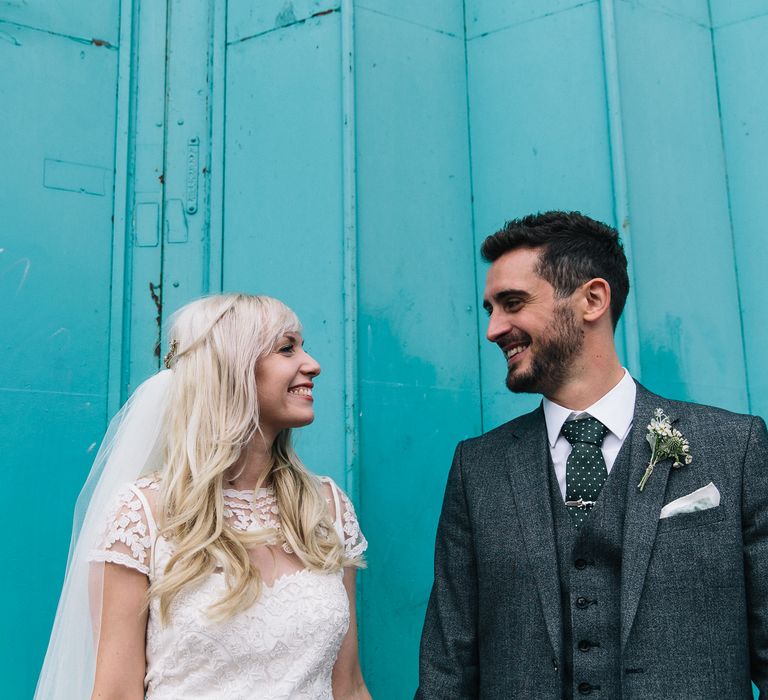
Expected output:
{"points": [[551, 356]]}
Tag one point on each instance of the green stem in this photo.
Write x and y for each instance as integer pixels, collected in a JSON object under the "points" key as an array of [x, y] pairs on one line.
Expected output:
{"points": [[648, 472]]}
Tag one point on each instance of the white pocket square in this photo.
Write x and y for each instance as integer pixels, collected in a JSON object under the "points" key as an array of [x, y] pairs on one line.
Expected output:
{"points": [[701, 499]]}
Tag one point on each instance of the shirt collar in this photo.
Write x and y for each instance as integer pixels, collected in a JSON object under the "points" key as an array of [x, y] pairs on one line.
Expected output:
{"points": [[614, 410]]}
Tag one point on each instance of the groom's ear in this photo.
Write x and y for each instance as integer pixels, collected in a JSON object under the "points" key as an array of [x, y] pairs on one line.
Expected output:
{"points": [[596, 300]]}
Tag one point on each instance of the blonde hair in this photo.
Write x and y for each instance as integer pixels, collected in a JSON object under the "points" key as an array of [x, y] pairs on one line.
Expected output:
{"points": [[213, 413]]}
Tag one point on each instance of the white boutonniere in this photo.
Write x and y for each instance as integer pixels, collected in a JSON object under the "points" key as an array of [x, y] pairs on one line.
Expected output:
{"points": [[666, 443]]}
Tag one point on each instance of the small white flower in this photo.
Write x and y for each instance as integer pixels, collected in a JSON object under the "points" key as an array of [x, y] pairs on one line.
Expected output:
{"points": [[666, 442]]}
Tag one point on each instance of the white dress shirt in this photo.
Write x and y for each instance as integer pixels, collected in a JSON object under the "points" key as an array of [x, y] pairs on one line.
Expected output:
{"points": [[614, 410]]}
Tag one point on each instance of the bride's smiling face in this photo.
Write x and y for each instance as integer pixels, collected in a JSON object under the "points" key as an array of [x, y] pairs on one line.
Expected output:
{"points": [[284, 385]]}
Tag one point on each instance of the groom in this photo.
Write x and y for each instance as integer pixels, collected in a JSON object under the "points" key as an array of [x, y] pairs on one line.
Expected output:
{"points": [[556, 575]]}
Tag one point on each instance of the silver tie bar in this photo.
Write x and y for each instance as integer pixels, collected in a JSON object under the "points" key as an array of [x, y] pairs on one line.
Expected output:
{"points": [[581, 503]]}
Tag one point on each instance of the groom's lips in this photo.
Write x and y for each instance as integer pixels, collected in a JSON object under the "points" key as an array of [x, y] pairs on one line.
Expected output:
{"points": [[514, 350]]}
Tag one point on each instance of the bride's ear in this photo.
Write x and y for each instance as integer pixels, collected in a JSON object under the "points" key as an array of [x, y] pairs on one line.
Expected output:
{"points": [[596, 300]]}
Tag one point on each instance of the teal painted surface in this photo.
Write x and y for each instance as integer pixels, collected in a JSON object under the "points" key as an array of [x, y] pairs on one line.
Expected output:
{"points": [[547, 111], [678, 197], [349, 158], [419, 389], [283, 218], [740, 51], [57, 108]]}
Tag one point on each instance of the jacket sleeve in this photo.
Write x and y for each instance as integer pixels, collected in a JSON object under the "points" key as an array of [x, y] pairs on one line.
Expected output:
{"points": [[755, 537], [448, 662]]}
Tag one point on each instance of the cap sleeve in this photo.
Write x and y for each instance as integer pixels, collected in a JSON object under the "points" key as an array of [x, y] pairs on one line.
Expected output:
{"points": [[129, 530], [346, 523]]}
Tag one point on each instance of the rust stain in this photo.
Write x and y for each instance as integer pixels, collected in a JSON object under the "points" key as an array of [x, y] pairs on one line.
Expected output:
{"points": [[154, 292], [324, 12], [162, 179], [101, 42]]}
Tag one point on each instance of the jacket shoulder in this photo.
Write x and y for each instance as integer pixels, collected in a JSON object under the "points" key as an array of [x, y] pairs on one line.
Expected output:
{"points": [[703, 416], [699, 410]]}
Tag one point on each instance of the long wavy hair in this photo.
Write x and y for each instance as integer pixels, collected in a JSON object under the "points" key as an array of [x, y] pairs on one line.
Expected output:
{"points": [[213, 414]]}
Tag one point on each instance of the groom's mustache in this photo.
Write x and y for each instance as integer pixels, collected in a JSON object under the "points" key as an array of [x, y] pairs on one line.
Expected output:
{"points": [[512, 339]]}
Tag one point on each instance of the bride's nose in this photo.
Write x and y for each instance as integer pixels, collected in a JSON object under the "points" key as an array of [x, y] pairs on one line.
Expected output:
{"points": [[310, 366]]}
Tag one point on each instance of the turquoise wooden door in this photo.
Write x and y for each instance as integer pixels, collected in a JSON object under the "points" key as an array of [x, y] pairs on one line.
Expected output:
{"points": [[58, 81], [348, 157]]}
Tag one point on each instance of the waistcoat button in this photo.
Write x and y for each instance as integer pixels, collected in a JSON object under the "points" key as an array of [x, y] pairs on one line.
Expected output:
{"points": [[584, 688], [585, 645], [580, 564], [582, 602]]}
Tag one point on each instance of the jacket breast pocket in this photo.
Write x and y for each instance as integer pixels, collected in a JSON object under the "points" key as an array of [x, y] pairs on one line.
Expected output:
{"points": [[685, 521]]}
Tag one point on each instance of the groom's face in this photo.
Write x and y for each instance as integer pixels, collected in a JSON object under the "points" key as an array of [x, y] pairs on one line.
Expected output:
{"points": [[538, 333]]}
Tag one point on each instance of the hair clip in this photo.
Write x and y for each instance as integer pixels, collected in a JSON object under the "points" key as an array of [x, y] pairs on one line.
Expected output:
{"points": [[171, 353]]}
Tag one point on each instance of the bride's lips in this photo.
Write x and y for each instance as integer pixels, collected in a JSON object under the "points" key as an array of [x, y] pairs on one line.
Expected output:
{"points": [[302, 391]]}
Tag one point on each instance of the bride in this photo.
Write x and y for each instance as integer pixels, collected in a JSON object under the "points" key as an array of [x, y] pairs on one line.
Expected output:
{"points": [[210, 562]]}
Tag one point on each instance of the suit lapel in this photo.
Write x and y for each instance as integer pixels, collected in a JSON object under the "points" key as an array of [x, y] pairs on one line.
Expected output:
{"points": [[528, 465], [642, 510]]}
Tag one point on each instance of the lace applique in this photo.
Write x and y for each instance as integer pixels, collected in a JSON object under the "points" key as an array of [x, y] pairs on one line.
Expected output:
{"points": [[283, 647], [126, 539], [249, 510], [354, 540], [346, 524]]}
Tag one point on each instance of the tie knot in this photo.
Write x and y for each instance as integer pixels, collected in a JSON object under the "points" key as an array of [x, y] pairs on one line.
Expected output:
{"points": [[589, 430]]}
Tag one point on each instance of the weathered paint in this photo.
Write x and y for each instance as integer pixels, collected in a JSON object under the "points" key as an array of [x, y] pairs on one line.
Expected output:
{"points": [[348, 157]]}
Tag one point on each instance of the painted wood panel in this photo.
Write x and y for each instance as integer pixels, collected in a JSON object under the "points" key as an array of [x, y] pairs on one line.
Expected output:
{"points": [[488, 16], [89, 21], [539, 141], [57, 108], [140, 300], [187, 148], [741, 55], [725, 12], [419, 391], [678, 199], [283, 200]]}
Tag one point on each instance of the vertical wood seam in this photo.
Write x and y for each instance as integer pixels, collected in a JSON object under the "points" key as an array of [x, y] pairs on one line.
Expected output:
{"points": [[217, 153], [164, 250], [119, 331], [619, 180], [349, 193], [473, 255], [349, 253], [742, 333]]}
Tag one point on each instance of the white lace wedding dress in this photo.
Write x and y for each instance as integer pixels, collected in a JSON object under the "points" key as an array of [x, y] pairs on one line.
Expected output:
{"points": [[281, 648]]}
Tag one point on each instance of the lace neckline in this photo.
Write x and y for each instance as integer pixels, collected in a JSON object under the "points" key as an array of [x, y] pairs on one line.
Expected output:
{"points": [[248, 494]]}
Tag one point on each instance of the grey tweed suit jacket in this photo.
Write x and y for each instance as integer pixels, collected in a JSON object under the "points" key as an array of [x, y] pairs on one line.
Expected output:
{"points": [[694, 587]]}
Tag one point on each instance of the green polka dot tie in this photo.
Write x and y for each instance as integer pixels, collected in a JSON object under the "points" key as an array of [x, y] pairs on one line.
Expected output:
{"points": [[585, 471]]}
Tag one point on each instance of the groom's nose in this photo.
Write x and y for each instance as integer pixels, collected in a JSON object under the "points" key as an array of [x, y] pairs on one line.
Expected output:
{"points": [[497, 327]]}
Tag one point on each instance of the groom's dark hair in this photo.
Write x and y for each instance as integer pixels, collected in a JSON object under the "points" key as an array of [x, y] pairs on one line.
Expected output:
{"points": [[574, 250]]}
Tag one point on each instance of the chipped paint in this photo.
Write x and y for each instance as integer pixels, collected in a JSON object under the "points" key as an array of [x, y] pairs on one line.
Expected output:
{"points": [[4, 36], [27, 264], [154, 292], [286, 16], [91, 41], [278, 27]]}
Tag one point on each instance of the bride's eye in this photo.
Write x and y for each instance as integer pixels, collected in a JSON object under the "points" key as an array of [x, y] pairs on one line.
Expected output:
{"points": [[286, 349]]}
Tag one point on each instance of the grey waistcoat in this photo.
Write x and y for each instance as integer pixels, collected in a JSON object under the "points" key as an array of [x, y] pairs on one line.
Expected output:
{"points": [[589, 563]]}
